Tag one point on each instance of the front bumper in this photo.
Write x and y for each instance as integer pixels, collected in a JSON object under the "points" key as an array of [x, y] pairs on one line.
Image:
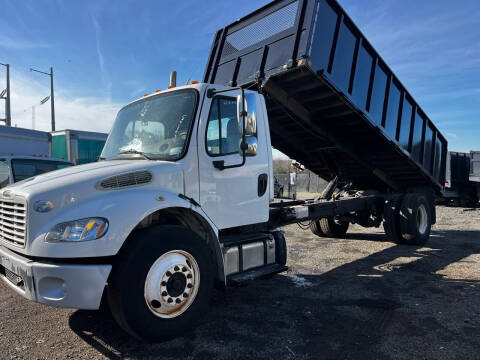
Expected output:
{"points": [[62, 285]]}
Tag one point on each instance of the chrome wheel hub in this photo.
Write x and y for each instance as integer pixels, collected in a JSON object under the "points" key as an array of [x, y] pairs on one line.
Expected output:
{"points": [[172, 284]]}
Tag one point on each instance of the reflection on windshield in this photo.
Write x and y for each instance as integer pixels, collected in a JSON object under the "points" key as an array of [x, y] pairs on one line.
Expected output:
{"points": [[157, 126]]}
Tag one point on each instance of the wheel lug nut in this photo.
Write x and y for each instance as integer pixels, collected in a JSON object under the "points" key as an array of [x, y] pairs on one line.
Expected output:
{"points": [[170, 300], [189, 276], [164, 293], [176, 268], [189, 286], [169, 273], [155, 304], [178, 301], [184, 269], [164, 283], [185, 295]]}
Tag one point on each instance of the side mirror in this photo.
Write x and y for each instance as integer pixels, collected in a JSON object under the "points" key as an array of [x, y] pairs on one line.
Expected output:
{"points": [[249, 110], [250, 145]]}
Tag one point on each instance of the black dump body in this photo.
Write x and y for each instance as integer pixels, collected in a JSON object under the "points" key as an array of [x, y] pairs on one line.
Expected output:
{"points": [[333, 103]]}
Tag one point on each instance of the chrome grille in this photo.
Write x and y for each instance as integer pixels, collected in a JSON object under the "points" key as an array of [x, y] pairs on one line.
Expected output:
{"points": [[13, 221]]}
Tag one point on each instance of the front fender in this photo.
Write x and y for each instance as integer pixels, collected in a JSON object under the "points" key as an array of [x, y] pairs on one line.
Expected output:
{"points": [[124, 210]]}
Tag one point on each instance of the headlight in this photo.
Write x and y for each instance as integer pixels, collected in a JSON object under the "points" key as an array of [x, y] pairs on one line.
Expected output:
{"points": [[78, 230]]}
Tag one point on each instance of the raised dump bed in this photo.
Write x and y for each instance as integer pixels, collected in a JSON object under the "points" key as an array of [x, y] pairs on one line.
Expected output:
{"points": [[333, 103]]}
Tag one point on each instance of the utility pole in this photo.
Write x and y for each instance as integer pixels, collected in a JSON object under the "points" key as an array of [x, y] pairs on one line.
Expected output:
{"points": [[8, 117], [52, 100]]}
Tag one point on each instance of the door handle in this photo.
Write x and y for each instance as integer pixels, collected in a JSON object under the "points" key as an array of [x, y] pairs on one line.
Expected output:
{"points": [[262, 184]]}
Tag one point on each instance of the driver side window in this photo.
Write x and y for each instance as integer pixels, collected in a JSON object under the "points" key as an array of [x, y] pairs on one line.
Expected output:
{"points": [[223, 133]]}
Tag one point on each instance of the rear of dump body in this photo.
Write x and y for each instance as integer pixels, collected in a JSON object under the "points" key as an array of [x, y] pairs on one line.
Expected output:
{"points": [[333, 103]]}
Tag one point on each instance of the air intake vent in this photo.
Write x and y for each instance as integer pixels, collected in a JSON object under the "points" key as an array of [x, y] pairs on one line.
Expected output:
{"points": [[124, 180]]}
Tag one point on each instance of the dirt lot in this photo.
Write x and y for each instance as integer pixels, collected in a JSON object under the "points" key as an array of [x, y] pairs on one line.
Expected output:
{"points": [[355, 298]]}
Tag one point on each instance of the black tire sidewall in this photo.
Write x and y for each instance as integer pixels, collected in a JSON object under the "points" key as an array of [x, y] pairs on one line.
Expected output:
{"points": [[408, 219], [128, 282]]}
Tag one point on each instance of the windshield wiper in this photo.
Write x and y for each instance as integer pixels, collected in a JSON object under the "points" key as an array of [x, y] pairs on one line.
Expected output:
{"points": [[133, 151]]}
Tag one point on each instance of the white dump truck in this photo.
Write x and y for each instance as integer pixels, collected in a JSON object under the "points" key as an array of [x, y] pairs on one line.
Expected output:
{"points": [[182, 197]]}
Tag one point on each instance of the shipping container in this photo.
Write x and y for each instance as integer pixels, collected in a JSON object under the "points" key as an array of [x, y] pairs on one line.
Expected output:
{"points": [[23, 142], [334, 104], [80, 147]]}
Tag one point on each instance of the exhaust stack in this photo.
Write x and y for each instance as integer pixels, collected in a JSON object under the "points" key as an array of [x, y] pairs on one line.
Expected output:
{"points": [[173, 79]]}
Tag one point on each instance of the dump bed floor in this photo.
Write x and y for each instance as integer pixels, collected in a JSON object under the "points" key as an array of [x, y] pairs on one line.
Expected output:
{"points": [[312, 122]]}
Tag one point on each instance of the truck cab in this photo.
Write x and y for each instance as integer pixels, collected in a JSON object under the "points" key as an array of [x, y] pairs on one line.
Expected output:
{"points": [[191, 165]]}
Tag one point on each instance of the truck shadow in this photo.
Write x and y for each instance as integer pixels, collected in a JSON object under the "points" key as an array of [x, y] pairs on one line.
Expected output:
{"points": [[393, 302]]}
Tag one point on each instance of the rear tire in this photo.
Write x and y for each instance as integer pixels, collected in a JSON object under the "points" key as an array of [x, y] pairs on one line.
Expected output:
{"points": [[415, 219], [328, 227], [316, 229], [147, 263]]}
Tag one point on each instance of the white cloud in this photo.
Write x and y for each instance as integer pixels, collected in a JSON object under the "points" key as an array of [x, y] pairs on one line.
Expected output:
{"points": [[79, 113], [101, 61], [11, 43]]}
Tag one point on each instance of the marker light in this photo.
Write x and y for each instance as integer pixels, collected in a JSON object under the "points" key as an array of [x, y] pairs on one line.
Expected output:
{"points": [[78, 230], [43, 206]]}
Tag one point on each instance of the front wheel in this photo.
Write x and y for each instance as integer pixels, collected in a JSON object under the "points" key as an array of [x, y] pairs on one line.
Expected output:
{"points": [[161, 283]]}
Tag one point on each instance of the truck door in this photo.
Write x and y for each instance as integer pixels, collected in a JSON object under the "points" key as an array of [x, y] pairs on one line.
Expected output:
{"points": [[235, 196]]}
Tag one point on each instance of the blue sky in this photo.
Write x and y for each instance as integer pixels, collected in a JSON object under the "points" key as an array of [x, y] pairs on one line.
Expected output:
{"points": [[106, 54]]}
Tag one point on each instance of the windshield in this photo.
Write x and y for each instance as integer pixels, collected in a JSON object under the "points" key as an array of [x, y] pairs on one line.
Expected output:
{"points": [[157, 127], [25, 168]]}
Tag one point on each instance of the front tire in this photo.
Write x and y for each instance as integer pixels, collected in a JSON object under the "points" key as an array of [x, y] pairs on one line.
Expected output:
{"points": [[161, 283]]}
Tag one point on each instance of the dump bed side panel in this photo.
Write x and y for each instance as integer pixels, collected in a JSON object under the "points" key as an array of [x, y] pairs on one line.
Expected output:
{"points": [[348, 89]]}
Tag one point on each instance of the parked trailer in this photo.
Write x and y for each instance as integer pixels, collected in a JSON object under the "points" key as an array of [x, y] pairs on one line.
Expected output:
{"points": [[80, 147], [460, 190], [193, 167], [475, 170]]}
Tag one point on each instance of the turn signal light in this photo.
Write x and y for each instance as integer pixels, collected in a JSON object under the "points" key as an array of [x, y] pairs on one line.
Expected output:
{"points": [[194, 82]]}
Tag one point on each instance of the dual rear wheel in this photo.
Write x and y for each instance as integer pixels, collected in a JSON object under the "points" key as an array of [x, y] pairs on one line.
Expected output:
{"points": [[408, 220]]}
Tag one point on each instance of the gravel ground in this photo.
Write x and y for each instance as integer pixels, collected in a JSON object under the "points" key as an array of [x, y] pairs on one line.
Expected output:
{"points": [[355, 298]]}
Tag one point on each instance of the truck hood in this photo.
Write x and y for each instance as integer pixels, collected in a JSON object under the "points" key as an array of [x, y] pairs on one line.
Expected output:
{"points": [[73, 179]]}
